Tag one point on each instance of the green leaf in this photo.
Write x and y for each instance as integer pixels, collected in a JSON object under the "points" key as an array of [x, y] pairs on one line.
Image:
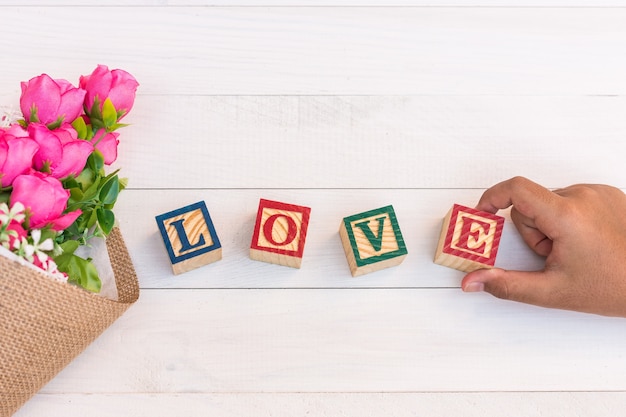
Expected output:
{"points": [[106, 219], [93, 218], [92, 192], [85, 178], [47, 233], [81, 127], [69, 246], [123, 183], [95, 113], [76, 195], [95, 161], [70, 182], [68, 233], [110, 190], [109, 114], [56, 124], [97, 124], [34, 118], [89, 132], [117, 126], [79, 271], [80, 224]]}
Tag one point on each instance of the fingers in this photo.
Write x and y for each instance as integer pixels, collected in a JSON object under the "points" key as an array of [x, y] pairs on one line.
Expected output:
{"points": [[536, 240], [583, 240], [529, 198], [534, 213], [527, 287]]}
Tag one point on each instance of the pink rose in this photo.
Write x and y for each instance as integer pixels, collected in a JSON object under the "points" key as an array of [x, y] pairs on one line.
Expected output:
{"points": [[17, 130], [106, 143], [53, 100], [117, 85], [45, 200], [61, 153], [16, 155]]}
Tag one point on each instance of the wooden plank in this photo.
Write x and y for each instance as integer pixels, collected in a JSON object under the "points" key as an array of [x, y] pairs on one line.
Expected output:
{"points": [[537, 91], [328, 3], [397, 3], [496, 404], [404, 141], [320, 50], [333, 340], [233, 212]]}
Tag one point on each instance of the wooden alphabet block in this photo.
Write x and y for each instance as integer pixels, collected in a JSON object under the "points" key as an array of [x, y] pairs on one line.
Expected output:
{"points": [[189, 237], [469, 239], [280, 233], [372, 241]]}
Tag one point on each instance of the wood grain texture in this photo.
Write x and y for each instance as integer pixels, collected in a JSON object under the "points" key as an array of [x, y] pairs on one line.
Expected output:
{"points": [[372, 240], [279, 235], [327, 50], [290, 100], [325, 266], [346, 340], [469, 239], [513, 404], [328, 3], [405, 141], [189, 236]]}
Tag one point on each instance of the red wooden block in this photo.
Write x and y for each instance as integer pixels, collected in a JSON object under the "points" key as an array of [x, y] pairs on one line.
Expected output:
{"points": [[280, 233], [469, 239]]}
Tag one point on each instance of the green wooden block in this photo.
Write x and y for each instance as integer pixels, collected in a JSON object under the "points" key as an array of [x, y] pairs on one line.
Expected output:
{"points": [[372, 240]]}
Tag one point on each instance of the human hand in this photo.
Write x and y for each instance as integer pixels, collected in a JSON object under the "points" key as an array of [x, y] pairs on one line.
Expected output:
{"points": [[581, 230]]}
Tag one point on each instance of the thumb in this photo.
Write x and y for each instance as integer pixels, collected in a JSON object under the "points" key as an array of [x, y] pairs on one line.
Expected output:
{"points": [[526, 287]]}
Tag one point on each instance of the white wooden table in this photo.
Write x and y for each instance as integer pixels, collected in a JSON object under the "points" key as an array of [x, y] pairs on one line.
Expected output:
{"points": [[342, 106]]}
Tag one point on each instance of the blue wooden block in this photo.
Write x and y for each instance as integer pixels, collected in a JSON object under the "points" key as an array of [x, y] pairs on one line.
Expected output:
{"points": [[189, 237]]}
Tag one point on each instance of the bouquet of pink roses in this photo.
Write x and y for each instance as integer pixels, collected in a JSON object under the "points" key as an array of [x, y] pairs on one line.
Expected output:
{"points": [[54, 192], [55, 196]]}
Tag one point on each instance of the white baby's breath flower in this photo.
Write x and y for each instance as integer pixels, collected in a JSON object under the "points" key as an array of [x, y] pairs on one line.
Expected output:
{"points": [[9, 115], [38, 247], [4, 213], [52, 269], [15, 213], [5, 237], [24, 249], [32, 252]]}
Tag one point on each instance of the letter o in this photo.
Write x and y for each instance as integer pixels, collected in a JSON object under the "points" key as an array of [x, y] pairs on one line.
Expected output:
{"points": [[268, 227]]}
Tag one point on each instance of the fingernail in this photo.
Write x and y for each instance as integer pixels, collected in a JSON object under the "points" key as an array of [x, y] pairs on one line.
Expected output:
{"points": [[474, 287]]}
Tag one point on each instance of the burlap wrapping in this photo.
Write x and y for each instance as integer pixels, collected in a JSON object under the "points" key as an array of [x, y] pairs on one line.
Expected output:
{"points": [[45, 324]]}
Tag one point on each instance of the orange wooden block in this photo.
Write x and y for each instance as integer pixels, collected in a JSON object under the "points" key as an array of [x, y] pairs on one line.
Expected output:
{"points": [[280, 233], [469, 239]]}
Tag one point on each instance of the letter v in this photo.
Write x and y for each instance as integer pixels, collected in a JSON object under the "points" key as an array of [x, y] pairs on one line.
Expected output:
{"points": [[375, 241]]}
